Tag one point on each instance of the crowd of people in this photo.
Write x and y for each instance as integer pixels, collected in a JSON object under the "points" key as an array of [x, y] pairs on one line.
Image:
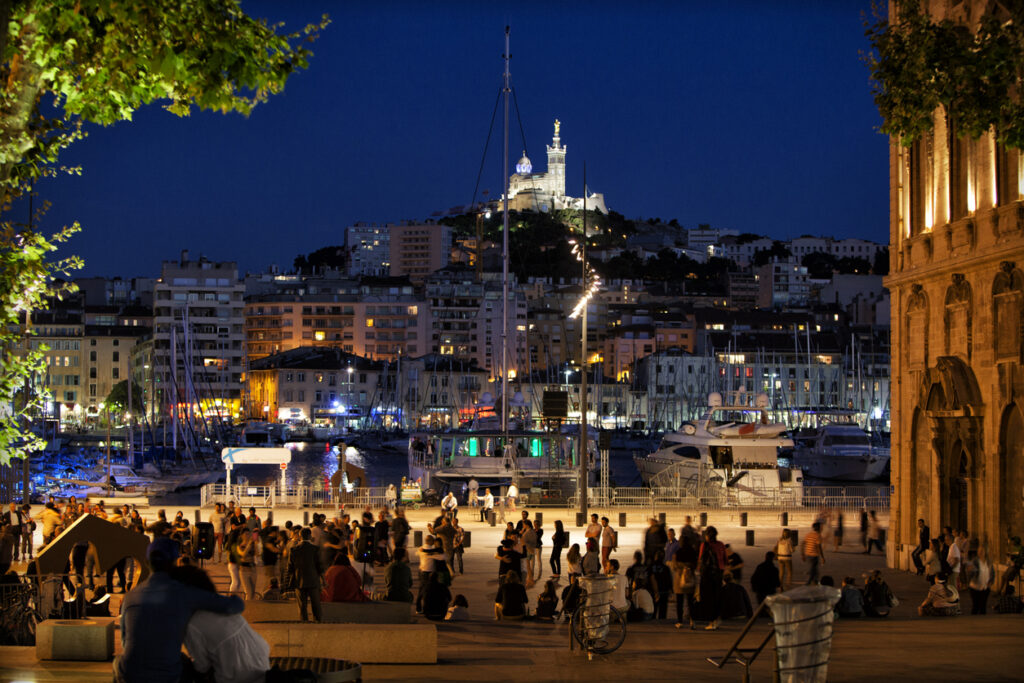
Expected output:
{"points": [[320, 562]]}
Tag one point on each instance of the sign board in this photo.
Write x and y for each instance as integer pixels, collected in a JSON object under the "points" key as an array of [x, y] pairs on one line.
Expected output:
{"points": [[555, 404], [256, 456], [284, 466]]}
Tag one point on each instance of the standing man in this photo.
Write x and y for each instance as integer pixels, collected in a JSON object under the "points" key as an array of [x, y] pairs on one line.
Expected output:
{"points": [[923, 541], [608, 538], [306, 574], [655, 539], [813, 552], [593, 529], [488, 505], [427, 554], [14, 518], [399, 529], [510, 496], [531, 549], [474, 487], [765, 580], [446, 534]]}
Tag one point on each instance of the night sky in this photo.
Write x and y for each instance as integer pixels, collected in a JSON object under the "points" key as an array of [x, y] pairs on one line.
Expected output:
{"points": [[754, 116]]}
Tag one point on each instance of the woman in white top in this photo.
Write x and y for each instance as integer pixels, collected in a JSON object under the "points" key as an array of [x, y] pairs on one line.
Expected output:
{"points": [[217, 518], [981, 577], [226, 645], [784, 553]]}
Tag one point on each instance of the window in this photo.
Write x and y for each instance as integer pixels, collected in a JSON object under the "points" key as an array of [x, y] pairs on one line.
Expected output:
{"points": [[302, 396], [117, 357], [92, 373], [117, 373], [92, 356], [300, 377]]}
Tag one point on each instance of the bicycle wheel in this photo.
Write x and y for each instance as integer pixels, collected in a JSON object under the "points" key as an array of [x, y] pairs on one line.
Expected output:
{"points": [[611, 640]]}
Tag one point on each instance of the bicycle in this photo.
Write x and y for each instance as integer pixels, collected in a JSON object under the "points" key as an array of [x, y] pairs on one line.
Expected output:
{"points": [[595, 630]]}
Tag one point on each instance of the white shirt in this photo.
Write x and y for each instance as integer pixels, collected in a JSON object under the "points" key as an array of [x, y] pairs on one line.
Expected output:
{"points": [[488, 501], [619, 600], [449, 502], [643, 600], [513, 491], [607, 537], [228, 645], [593, 530], [953, 557], [427, 559]]}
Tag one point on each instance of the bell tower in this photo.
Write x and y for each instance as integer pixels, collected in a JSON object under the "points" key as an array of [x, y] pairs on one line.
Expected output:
{"points": [[556, 163]]}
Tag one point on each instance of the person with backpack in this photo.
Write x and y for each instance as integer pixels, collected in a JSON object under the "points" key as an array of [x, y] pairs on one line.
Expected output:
{"points": [[711, 561]]}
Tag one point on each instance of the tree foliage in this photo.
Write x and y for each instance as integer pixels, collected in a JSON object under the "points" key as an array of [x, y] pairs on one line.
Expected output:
{"points": [[974, 74], [778, 250], [67, 63], [117, 399], [324, 257]]}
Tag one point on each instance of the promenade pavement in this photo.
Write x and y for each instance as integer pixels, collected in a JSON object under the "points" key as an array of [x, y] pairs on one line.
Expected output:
{"points": [[899, 647]]}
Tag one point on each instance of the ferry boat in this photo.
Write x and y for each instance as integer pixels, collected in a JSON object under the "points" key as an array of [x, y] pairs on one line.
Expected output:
{"points": [[841, 451], [526, 458], [732, 451]]}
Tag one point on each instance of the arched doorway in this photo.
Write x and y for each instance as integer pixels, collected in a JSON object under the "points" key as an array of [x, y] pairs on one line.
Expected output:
{"points": [[1011, 471], [958, 515], [921, 467]]}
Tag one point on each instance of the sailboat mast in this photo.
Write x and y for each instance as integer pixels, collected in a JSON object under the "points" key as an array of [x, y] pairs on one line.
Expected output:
{"points": [[506, 89]]}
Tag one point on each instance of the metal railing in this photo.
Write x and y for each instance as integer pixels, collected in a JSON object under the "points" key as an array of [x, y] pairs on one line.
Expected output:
{"points": [[292, 496], [846, 499]]}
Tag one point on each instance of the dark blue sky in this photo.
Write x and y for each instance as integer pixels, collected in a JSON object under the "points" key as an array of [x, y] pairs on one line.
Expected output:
{"points": [[755, 116]]}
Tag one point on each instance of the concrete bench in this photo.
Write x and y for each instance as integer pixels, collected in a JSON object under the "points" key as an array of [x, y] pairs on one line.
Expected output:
{"points": [[75, 639], [374, 612], [363, 643]]}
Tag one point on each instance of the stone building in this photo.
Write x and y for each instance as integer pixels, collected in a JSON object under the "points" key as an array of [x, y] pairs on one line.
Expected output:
{"points": [[957, 289]]}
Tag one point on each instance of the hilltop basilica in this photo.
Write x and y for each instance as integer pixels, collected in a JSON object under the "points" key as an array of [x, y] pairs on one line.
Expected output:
{"points": [[529, 191]]}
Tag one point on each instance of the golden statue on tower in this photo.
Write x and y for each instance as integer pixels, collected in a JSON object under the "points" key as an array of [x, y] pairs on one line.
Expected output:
{"points": [[558, 125]]}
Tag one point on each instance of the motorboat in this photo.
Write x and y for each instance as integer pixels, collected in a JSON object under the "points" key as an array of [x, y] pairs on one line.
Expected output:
{"points": [[841, 451], [732, 451]]}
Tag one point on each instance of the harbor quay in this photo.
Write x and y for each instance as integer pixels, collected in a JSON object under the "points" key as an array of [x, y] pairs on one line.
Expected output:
{"points": [[899, 646]]}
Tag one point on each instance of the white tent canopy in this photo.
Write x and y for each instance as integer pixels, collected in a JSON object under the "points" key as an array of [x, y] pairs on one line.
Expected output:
{"points": [[256, 456]]}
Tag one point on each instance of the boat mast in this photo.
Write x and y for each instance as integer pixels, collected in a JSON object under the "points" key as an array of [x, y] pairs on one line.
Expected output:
{"points": [[506, 89]]}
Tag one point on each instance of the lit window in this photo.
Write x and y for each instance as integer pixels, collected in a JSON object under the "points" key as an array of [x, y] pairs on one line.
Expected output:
{"points": [[319, 335], [369, 322]]}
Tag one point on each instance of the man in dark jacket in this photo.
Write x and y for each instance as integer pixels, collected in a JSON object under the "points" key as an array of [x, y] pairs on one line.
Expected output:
{"points": [[305, 572], [765, 579], [924, 538], [654, 540]]}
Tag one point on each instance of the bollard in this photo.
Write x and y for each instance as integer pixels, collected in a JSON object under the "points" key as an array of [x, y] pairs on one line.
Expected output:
{"points": [[197, 517], [750, 537], [538, 518], [785, 519], [305, 518], [661, 517], [467, 539], [743, 520], [492, 518], [417, 538], [622, 520], [270, 517], [794, 535], [581, 519], [703, 519]]}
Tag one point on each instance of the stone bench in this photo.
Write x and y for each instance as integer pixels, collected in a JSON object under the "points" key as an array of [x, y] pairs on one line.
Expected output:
{"points": [[75, 639], [363, 643], [374, 612]]}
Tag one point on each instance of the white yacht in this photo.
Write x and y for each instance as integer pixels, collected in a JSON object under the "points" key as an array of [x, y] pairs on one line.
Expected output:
{"points": [[840, 451], [732, 452]]}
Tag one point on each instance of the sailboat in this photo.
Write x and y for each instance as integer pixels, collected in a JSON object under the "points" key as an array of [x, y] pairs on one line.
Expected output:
{"points": [[494, 452]]}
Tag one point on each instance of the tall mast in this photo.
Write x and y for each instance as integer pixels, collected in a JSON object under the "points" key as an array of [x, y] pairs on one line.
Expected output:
{"points": [[506, 89], [584, 455]]}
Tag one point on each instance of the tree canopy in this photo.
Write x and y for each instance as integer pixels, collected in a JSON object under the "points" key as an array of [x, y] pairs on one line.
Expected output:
{"points": [[975, 74], [67, 63], [117, 399]]}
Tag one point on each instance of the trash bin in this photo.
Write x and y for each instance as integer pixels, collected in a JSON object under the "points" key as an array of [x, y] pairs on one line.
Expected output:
{"points": [[467, 538], [703, 519], [622, 520], [785, 519], [417, 538], [596, 611], [492, 517], [581, 519], [750, 537], [803, 632], [538, 518], [743, 519]]}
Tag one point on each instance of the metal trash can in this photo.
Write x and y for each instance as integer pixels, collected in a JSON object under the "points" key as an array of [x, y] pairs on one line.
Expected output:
{"points": [[785, 519], [743, 519], [596, 611], [581, 519], [803, 620], [622, 520], [538, 518], [703, 519], [750, 537]]}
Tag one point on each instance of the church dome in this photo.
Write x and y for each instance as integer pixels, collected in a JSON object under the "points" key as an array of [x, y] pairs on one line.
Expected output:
{"points": [[524, 167]]}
